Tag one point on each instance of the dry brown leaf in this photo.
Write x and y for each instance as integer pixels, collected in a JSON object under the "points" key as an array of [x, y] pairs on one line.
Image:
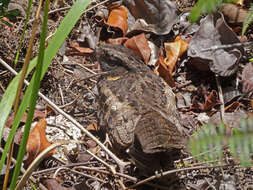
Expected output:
{"points": [[37, 141], [52, 184], [213, 31], [92, 127], [156, 16], [121, 40], [163, 72], [173, 51], [234, 13], [211, 101], [204, 100], [81, 50], [118, 18], [37, 114], [139, 44]]}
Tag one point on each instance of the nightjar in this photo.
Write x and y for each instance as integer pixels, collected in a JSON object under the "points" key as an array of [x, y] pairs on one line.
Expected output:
{"points": [[136, 107]]}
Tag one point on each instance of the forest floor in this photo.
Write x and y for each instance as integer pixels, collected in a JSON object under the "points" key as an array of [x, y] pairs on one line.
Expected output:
{"points": [[70, 83]]}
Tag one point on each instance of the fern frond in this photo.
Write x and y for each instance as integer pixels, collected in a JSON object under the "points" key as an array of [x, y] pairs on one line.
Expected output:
{"points": [[248, 20], [211, 140]]}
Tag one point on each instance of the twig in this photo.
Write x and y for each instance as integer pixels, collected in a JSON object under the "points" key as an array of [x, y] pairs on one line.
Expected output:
{"points": [[36, 162], [1, 86], [173, 171], [103, 162], [222, 107], [70, 103], [216, 47], [41, 186], [77, 172], [67, 165], [210, 185], [133, 179]]}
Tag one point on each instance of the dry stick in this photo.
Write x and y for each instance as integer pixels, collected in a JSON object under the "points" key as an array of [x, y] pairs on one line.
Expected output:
{"points": [[41, 186], [67, 165], [36, 162], [106, 172], [77, 172], [120, 163], [213, 48], [210, 185], [19, 89], [222, 108], [173, 171]]}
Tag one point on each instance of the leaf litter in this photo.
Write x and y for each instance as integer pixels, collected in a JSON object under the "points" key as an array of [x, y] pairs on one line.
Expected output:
{"points": [[180, 59]]}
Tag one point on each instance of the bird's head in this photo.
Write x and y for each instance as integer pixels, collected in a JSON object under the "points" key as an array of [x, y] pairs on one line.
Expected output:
{"points": [[117, 57]]}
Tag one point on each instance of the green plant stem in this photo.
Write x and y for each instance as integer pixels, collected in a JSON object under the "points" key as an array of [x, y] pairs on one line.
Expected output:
{"points": [[37, 160], [28, 12], [19, 89], [6, 102], [34, 94]]}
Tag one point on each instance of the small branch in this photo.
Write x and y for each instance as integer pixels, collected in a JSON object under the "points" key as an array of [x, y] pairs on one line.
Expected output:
{"points": [[41, 186], [222, 107], [226, 46], [173, 171]]}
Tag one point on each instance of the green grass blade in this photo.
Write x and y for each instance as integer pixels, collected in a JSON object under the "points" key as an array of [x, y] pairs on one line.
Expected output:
{"points": [[28, 12], [33, 98], [6, 103]]}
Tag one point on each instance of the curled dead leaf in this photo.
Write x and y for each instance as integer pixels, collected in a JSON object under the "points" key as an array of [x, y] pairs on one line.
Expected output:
{"points": [[118, 18], [37, 141], [139, 44], [157, 16], [214, 31], [164, 72], [173, 51], [211, 101]]}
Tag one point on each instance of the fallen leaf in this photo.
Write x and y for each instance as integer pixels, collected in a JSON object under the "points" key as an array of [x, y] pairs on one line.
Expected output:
{"points": [[83, 157], [163, 72], [174, 50], [52, 184], [204, 100], [230, 93], [211, 101], [139, 44], [118, 18], [247, 78], [93, 128], [150, 15], [234, 13], [214, 31], [233, 106], [37, 141], [81, 50], [121, 40], [37, 114]]}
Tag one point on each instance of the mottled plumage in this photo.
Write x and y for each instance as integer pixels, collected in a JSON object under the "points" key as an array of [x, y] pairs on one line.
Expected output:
{"points": [[135, 105]]}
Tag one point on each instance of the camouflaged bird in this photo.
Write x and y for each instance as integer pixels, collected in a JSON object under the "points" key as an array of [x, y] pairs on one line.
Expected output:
{"points": [[135, 105]]}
